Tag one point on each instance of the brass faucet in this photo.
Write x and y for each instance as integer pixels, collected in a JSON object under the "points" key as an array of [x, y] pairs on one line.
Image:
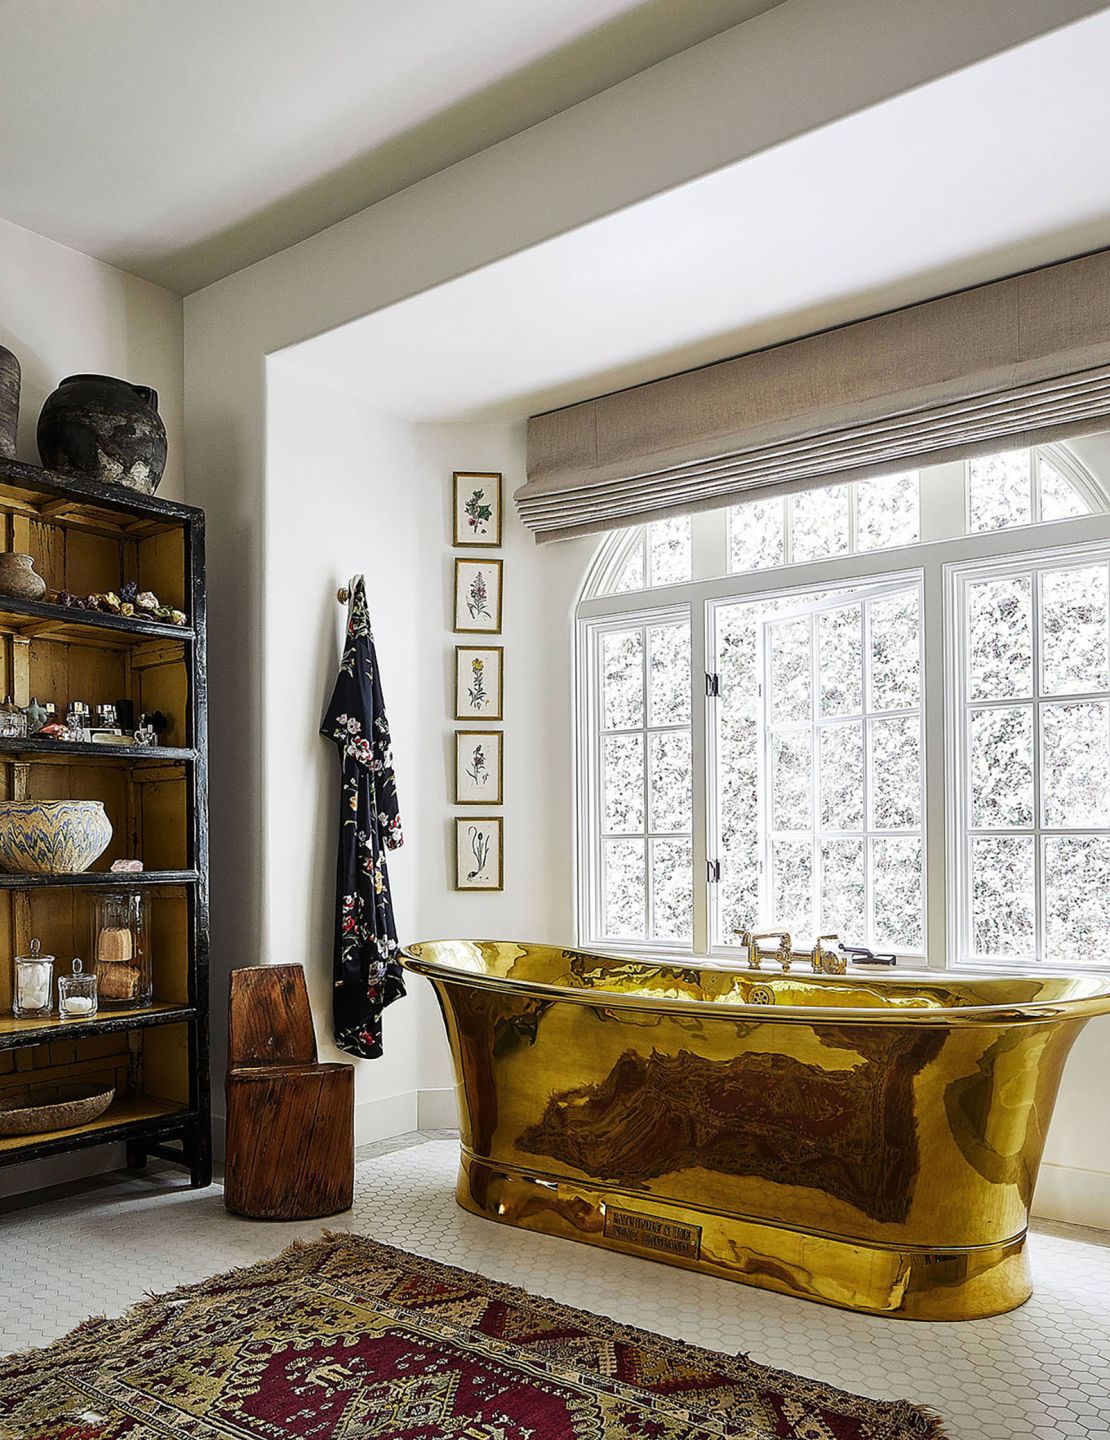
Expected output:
{"points": [[828, 962], [823, 961], [784, 954]]}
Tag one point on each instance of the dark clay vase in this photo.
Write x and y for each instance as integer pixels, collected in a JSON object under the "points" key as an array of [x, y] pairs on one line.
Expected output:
{"points": [[9, 403], [104, 429]]}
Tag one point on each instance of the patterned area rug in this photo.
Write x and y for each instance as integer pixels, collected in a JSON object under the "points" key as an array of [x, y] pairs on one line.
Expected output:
{"points": [[346, 1339]]}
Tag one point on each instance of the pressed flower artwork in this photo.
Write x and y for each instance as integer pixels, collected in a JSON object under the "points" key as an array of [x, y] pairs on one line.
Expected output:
{"points": [[477, 505], [479, 853], [478, 597], [479, 675], [478, 767]]}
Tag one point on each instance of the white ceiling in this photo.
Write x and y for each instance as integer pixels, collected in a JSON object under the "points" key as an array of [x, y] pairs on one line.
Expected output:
{"points": [[184, 139], [994, 169]]}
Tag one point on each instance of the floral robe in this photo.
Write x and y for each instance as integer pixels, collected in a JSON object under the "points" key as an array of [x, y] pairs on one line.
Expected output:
{"points": [[366, 971]]}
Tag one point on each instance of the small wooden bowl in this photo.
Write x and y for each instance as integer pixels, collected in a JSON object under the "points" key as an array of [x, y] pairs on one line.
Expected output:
{"points": [[52, 1107]]}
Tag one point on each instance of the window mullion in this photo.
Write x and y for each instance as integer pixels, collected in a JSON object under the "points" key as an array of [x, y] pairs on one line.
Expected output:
{"points": [[700, 806], [1038, 817]]}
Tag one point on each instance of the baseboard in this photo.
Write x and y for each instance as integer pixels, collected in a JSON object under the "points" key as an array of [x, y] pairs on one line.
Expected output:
{"points": [[436, 1109], [1075, 1197]]}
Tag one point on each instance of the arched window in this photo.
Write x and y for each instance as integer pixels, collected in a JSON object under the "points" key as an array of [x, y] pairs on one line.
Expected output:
{"points": [[851, 710]]}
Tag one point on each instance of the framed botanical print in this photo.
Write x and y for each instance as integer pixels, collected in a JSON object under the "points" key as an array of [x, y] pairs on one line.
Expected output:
{"points": [[479, 767], [478, 597], [479, 852], [477, 507], [479, 682]]}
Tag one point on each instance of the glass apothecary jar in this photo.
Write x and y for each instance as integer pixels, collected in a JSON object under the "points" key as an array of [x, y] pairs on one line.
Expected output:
{"points": [[33, 985], [120, 947], [77, 994]]}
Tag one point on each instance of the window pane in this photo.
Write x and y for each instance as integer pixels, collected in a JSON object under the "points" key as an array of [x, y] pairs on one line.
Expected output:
{"points": [[843, 898], [756, 535], [840, 660], [669, 649], [819, 523], [625, 890], [672, 889], [895, 652], [896, 887], [1001, 767], [791, 781], [1003, 907], [632, 576], [895, 773], [1075, 765], [999, 493], [669, 550], [1000, 638], [624, 783], [791, 682], [792, 887], [671, 780], [1075, 630], [622, 684], [841, 753], [1077, 898], [886, 511], [1059, 497]]}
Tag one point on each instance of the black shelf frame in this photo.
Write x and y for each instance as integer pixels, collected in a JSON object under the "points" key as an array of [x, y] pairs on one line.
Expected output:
{"points": [[64, 500], [106, 1022], [68, 750]]}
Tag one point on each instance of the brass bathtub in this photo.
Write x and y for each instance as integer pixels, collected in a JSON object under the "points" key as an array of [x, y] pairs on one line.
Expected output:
{"points": [[870, 1142]]}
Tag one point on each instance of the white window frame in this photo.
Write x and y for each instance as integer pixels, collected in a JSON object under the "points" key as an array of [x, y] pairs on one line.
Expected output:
{"points": [[959, 707], [943, 547], [591, 868]]}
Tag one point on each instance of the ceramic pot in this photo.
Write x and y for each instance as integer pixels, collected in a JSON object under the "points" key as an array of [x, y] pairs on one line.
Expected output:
{"points": [[9, 402], [18, 578], [104, 429], [52, 837]]}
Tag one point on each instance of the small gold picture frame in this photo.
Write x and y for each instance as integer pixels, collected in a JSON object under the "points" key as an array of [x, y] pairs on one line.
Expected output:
{"points": [[479, 682], [476, 505], [479, 852], [479, 767], [478, 596]]}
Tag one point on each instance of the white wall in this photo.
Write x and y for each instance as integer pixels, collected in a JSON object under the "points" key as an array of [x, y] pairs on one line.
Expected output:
{"points": [[62, 313], [348, 489]]}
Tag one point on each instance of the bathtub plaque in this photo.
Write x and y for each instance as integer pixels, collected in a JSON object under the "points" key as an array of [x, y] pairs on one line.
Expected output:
{"points": [[672, 1237]]}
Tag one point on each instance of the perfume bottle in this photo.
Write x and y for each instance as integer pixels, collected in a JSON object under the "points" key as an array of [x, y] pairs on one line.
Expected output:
{"points": [[78, 718], [34, 984], [77, 994]]}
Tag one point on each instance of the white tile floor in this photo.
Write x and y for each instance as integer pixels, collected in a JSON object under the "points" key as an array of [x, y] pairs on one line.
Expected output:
{"points": [[1042, 1371]]}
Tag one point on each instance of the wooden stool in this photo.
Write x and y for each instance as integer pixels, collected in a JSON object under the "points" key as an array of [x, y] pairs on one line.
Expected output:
{"points": [[290, 1120]]}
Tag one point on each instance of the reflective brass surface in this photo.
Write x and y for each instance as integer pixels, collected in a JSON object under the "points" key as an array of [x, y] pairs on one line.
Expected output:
{"points": [[865, 1141]]}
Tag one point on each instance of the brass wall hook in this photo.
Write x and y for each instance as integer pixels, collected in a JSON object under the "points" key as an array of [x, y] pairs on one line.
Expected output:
{"points": [[342, 594]]}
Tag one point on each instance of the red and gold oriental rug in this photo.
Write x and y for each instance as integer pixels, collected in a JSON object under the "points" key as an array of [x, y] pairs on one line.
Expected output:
{"points": [[346, 1339]]}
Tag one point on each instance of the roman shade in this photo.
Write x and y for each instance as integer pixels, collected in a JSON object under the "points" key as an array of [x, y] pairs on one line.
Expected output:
{"points": [[1017, 362]]}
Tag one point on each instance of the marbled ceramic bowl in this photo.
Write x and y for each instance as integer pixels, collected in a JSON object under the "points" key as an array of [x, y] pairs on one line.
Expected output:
{"points": [[52, 837]]}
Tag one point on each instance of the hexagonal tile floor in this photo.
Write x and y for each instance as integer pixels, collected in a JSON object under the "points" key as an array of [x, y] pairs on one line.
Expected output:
{"points": [[1042, 1371]]}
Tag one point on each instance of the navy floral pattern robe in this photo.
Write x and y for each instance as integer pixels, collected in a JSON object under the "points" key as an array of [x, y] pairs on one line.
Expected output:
{"points": [[367, 974]]}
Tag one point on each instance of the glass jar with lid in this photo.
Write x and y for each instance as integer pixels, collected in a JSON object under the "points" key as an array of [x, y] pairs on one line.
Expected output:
{"points": [[120, 947], [77, 993], [33, 984]]}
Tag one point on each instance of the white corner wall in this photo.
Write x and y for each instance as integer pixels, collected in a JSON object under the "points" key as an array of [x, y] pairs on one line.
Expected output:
{"points": [[351, 489], [62, 313]]}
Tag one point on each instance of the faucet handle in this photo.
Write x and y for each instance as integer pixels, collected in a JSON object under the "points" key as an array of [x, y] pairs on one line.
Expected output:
{"points": [[828, 962]]}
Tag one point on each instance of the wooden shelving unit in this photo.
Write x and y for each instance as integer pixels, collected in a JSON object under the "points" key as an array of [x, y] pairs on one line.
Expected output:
{"points": [[86, 538]]}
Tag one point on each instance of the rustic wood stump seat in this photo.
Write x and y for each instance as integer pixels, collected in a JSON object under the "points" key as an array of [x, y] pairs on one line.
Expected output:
{"points": [[290, 1118]]}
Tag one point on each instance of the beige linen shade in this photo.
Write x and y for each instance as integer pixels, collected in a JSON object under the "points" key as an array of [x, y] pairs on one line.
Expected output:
{"points": [[1016, 362]]}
